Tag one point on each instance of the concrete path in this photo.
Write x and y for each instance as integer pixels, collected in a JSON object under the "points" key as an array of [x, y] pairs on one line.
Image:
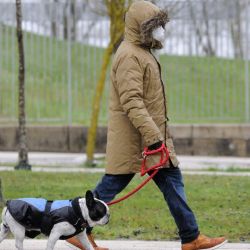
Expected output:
{"points": [[115, 245], [77, 159], [68, 162]]}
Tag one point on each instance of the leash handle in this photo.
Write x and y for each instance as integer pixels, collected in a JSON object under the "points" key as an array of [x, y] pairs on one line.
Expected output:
{"points": [[164, 158]]}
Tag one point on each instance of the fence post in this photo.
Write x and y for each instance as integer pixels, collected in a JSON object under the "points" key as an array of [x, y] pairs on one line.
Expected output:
{"points": [[247, 58], [69, 66]]}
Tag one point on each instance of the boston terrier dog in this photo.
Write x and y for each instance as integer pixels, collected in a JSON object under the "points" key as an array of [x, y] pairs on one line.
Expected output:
{"points": [[59, 219]]}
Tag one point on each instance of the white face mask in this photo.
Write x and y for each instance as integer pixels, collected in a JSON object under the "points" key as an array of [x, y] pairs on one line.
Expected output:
{"points": [[159, 34]]}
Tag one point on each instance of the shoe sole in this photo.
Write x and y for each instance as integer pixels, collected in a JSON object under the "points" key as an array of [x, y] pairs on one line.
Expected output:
{"points": [[218, 246]]}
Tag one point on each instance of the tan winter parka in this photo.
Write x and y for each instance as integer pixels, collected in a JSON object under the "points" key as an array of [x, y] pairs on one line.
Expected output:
{"points": [[137, 106]]}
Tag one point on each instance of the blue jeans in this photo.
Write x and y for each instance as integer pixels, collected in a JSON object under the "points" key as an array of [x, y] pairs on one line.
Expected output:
{"points": [[169, 181]]}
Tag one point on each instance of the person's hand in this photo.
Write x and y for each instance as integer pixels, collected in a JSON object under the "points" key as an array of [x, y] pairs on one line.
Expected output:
{"points": [[155, 145]]}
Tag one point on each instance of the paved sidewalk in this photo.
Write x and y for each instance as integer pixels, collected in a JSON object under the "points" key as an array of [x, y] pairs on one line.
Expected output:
{"points": [[78, 159], [69, 162], [115, 245]]}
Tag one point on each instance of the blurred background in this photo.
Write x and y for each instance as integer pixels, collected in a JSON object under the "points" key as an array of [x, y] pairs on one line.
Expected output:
{"points": [[205, 68], [205, 60]]}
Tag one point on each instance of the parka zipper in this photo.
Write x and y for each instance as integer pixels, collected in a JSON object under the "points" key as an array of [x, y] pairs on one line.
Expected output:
{"points": [[164, 96]]}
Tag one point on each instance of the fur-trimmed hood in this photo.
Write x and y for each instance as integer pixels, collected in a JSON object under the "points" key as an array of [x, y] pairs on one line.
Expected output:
{"points": [[141, 19]]}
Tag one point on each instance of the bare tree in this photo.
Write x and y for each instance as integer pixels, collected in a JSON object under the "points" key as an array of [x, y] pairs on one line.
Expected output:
{"points": [[116, 10], [23, 151], [236, 29], [65, 14], [202, 27], [208, 48], [54, 28], [69, 20]]}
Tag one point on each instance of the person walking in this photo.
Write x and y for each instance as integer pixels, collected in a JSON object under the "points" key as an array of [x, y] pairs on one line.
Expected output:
{"points": [[138, 118]]}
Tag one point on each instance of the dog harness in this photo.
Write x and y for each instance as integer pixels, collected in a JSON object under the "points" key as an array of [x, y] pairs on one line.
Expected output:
{"points": [[38, 215]]}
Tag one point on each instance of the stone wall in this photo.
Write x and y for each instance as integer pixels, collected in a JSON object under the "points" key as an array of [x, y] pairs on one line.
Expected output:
{"points": [[229, 140]]}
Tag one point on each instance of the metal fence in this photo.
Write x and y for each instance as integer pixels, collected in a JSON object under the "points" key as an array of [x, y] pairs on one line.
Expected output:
{"points": [[205, 60]]}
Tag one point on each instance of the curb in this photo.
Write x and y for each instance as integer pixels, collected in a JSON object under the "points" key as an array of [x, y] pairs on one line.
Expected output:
{"points": [[9, 244]]}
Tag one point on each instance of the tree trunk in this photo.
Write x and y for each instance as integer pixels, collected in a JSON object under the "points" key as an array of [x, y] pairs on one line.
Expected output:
{"points": [[208, 48], [53, 21], [69, 20], [23, 151], [54, 29], [73, 19], [236, 32], [116, 10], [205, 45], [96, 107], [65, 22]]}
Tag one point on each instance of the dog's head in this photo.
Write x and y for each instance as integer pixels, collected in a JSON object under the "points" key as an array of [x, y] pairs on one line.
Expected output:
{"points": [[95, 211]]}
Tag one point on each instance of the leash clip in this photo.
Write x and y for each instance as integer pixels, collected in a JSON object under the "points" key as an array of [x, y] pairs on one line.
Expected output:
{"points": [[144, 155], [163, 158]]}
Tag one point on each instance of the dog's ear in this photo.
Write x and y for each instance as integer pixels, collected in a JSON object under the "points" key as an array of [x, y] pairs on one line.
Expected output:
{"points": [[89, 199], [96, 195]]}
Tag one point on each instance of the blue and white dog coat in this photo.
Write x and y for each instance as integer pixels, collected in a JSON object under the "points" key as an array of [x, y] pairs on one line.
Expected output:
{"points": [[39, 214]]}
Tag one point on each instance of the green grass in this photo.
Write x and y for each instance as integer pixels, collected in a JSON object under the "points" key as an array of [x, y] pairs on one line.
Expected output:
{"points": [[233, 169], [221, 204], [199, 89], [205, 89]]}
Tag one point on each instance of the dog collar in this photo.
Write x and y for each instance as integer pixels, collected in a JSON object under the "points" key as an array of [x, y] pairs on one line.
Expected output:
{"points": [[76, 207]]}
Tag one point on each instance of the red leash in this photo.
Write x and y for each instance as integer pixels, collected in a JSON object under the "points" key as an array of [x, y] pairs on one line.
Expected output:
{"points": [[164, 158]]}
